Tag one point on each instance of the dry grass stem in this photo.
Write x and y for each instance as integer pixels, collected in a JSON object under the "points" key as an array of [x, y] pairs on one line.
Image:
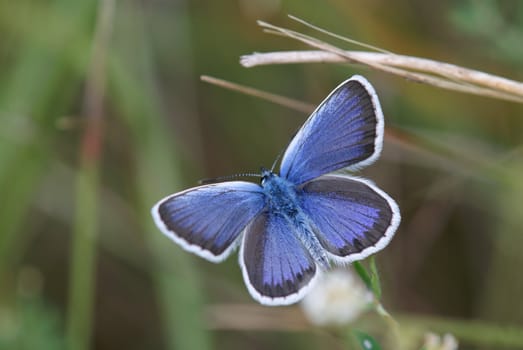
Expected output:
{"points": [[409, 143], [255, 317], [440, 74], [281, 100]]}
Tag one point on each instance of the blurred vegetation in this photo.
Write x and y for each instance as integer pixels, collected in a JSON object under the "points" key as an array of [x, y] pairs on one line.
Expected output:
{"points": [[71, 222]]}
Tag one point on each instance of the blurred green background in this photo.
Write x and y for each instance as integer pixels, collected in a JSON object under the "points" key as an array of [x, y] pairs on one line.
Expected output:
{"points": [[74, 224]]}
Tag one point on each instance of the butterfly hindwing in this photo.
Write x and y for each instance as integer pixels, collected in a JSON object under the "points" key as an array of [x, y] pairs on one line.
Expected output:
{"points": [[276, 267], [345, 131], [208, 220], [351, 217]]}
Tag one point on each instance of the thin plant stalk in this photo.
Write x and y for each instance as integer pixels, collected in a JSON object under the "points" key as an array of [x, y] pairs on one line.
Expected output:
{"points": [[82, 271], [175, 279], [85, 231], [430, 72], [250, 318], [453, 71], [278, 99]]}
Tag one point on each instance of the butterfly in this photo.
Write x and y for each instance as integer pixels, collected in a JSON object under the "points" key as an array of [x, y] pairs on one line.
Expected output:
{"points": [[293, 225]]}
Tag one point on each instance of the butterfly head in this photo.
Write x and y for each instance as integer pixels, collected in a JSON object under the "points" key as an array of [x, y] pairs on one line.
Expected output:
{"points": [[266, 174]]}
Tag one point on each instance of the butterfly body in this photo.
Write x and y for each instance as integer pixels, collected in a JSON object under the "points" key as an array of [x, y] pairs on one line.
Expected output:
{"points": [[292, 226], [282, 198]]}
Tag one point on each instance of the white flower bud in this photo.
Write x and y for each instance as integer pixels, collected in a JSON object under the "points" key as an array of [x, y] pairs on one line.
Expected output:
{"points": [[338, 298]]}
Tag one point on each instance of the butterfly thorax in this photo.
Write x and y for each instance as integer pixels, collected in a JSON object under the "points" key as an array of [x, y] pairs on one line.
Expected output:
{"points": [[281, 198], [280, 194]]}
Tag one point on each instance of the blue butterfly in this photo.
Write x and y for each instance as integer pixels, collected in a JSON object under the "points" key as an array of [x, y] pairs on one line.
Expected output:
{"points": [[292, 226]]}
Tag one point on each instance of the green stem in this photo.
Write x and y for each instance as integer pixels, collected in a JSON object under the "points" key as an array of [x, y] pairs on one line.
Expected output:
{"points": [[180, 293], [81, 274], [362, 272], [375, 278], [393, 325], [82, 271]]}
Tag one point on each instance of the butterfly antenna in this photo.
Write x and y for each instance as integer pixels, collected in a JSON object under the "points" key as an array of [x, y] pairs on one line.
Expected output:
{"points": [[226, 178], [276, 161]]}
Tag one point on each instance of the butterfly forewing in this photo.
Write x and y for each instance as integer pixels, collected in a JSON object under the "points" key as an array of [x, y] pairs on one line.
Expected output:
{"points": [[346, 130], [276, 267], [351, 217], [208, 220]]}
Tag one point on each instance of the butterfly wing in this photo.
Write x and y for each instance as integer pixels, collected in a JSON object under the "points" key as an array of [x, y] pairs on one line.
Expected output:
{"points": [[277, 269], [208, 220], [346, 130], [351, 217]]}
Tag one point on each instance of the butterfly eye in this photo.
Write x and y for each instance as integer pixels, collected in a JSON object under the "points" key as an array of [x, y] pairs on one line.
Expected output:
{"points": [[265, 175], [265, 178]]}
